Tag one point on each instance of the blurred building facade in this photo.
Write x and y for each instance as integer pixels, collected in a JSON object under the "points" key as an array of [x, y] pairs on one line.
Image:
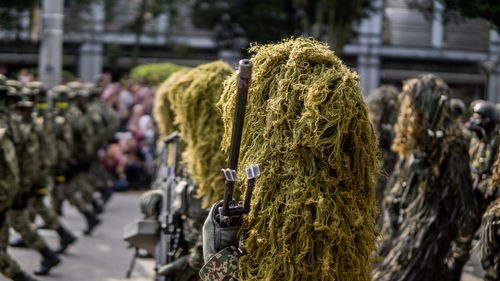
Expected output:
{"points": [[394, 43]]}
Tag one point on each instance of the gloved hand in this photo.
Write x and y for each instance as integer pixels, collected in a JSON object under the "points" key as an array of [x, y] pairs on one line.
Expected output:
{"points": [[215, 237], [179, 266]]}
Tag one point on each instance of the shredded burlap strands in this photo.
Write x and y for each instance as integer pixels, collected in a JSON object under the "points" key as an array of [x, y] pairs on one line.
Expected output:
{"points": [[162, 113], [306, 124], [193, 97], [432, 194]]}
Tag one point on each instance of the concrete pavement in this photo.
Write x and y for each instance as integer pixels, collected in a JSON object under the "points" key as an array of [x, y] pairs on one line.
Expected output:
{"points": [[104, 256]]}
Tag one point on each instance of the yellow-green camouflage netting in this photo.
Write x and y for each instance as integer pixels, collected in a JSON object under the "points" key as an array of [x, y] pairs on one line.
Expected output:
{"points": [[161, 110], [193, 98], [306, 124]]}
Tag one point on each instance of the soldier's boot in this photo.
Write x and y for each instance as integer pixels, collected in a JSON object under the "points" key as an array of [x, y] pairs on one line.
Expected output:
{"points": [[23, 276], [59, 208], [97, 207], [50, 259], [65, 239], [92, 221], [456, 270], [106, 194], [19, 243]]}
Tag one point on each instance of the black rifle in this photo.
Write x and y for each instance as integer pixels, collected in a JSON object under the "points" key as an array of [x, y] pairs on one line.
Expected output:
{"points": [[170, 222], [231, 213]]}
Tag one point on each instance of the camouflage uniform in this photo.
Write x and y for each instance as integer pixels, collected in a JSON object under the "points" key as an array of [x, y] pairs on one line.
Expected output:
{"points": [[9, 183], [83, 151], [489, 247], [28, 151], [47, 155], [223, 266], [483, 154]]}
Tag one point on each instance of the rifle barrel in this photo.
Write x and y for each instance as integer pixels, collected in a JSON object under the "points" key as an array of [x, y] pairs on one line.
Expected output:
{"points": [[243, 80]]}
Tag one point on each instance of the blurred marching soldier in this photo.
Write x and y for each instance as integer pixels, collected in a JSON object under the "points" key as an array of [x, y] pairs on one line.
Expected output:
{"points": [[76, 174], [101, 130], [44, 127], [313, 210], [27, 150], [9, 185], [432, 196], [383, 107], [90, 133], [483, 153]]}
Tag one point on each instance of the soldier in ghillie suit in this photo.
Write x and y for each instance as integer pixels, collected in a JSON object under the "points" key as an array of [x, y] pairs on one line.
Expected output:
{"points": [[193, 96], [83, 150], [383, 107], [483, 153], [490, 242], [9, 186], [313, 209], [431, 196]]}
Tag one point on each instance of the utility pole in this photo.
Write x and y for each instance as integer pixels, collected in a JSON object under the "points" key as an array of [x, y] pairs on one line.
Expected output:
{"points": [[50, 56]]}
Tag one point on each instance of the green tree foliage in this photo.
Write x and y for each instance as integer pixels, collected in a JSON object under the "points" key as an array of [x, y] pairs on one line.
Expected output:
{"points": [[485, 9], [154, 73], [10, 11], [270, 20]]}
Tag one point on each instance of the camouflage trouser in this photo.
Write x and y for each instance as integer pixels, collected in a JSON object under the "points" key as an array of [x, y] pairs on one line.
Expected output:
{"points": [[82, 183], [99, 174], [37, 207], [56, 192], [19, 220], [193, 237], [8, 266], [73, 195]]}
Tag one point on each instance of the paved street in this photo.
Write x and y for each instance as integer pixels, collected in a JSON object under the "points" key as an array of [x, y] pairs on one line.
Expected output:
{"points": [[105, 257]]}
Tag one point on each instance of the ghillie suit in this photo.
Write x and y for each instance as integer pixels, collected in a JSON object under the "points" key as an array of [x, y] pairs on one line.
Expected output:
{"points": [[483, 151], [431, 196], [193, 97], [313, 208], [162, 113], [490, 230], [383, 107], [490, 242]]}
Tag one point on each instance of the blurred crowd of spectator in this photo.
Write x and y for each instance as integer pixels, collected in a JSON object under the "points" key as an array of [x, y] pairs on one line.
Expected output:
{"points": [[129, 161]]}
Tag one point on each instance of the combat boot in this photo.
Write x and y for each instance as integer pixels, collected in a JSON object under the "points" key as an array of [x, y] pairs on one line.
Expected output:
{"points": [[97, 207], [92, 221], [65, 239], [50, 259], [19, 243], [456, 270], [23, 276]]}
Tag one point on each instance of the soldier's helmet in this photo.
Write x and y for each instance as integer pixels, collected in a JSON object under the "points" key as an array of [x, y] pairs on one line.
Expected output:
{"points": [[489, 117], [77, 89], [457, 107]]}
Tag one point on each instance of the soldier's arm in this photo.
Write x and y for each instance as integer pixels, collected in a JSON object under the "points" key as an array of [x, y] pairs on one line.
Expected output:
{"points": [[223, 266]]}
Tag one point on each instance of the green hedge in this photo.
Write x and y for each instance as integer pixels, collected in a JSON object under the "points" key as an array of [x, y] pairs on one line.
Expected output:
{"points": [[154, 73]]}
